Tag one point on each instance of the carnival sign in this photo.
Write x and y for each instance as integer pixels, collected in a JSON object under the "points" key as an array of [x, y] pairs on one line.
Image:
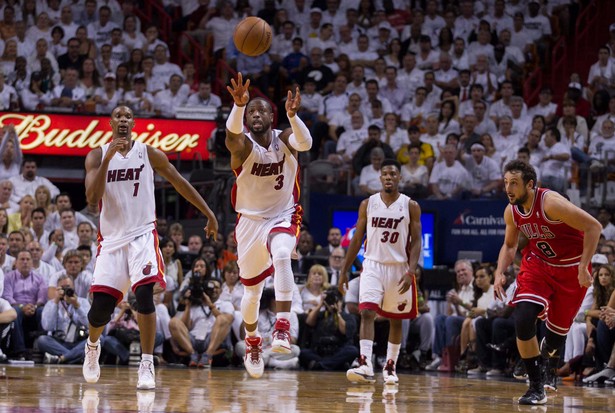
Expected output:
{"points": [[76, 135]]}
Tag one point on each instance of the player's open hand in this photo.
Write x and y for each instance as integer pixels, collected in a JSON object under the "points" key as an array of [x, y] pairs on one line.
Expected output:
{"points": [[406, 282], [585, 277], [239, 91], [498, 286], [293, 103]]}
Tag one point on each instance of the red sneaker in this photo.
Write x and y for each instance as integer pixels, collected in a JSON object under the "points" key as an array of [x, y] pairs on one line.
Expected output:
{"points": [[253, 360], [281, 337]]}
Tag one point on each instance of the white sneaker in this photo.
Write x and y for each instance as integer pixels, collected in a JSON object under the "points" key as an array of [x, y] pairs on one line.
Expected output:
{"points": [[433, 366], [362, 374], [147, 376], [388, 373], [91, 368], [253, 359]]}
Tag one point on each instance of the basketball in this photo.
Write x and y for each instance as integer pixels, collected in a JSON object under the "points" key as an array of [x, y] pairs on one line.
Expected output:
{"points": [[252, 36]]}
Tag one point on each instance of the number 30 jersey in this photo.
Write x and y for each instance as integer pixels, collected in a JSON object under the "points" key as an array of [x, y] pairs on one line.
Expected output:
{"points": [[388, 230], [267, 182], [554, 242]]}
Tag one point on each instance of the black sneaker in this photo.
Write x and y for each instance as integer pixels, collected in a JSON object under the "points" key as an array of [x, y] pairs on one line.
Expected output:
{"points": [[535, 396], [550, 378], [519, 372]]}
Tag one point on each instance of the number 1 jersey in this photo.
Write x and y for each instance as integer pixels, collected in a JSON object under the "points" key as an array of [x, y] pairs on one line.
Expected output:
{"points": [[554, 242], [127, 208], [267, 182], [388, 230]]}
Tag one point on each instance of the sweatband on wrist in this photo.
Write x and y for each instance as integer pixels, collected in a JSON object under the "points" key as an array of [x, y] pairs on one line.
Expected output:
{"points": [[234, 122], [300, 139]]}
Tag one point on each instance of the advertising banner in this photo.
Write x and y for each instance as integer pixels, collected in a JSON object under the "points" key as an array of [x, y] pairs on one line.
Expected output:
{"points": [[76, 135]]}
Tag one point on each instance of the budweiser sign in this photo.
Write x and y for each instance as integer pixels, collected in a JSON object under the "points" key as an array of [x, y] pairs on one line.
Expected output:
{"points": [[75, 135]]}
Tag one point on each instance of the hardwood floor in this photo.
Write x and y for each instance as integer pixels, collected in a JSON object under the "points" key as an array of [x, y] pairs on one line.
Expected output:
{"points": [[62, 389]]}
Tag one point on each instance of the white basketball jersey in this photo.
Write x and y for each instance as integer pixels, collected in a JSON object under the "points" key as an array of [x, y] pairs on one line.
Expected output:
{"points": [[267, 182], [127, 208], [388, 230]]}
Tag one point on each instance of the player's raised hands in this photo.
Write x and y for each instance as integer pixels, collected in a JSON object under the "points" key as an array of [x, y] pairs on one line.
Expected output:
{"points": [[293, 103], [239, 90]]}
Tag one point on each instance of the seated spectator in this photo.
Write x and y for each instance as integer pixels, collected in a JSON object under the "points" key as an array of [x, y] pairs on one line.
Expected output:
{"points": [[36, 61], [21, 218], [69, 94], [229, 253], [331, 333], [555, 162], [485, 173], [73, 268], [369, 180], [123, 338], [4, 221], [6, 190], [545, 106], [55, 252], [202, 324], [483, 299], [426, 156], [10, 153], [459, 303], [349, 141], [415, 177], [422, 325], [312, 291], [37, 229], [42, 199], [204, 97], [305, 249], [266, 323], [7, 316], [6, 261], [66, 318], [448, 178], [140, 101], [166, 101], [362, 157], [9, 100], [393, 135], [108, 96], [26, 291], [208, 253], [605, 339], [39, 266], [232, 288], [173, 272], [68, 224]]}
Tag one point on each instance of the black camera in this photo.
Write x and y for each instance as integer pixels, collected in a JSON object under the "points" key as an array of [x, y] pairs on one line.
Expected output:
{"points": [[196, 288], [68, 291], [332, 296]]}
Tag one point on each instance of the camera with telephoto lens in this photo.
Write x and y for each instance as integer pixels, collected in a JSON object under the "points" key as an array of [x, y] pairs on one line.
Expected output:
{"points": [[199, 286], [332, 295], [68, 291]]}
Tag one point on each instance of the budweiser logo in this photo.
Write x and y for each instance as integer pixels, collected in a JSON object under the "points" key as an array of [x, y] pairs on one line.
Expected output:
{"points": [[85, 133]]}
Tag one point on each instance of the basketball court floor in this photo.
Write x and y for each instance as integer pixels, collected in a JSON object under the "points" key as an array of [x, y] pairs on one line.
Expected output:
{"points": [[62, 389]]}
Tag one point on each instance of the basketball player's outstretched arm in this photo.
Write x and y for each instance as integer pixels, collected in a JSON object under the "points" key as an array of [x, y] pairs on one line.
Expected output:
{"points": [[236, 142], [414, 246], [507, 254], [556, 207], [354, 247], [96, 170], [300, 139], [163, 167]]}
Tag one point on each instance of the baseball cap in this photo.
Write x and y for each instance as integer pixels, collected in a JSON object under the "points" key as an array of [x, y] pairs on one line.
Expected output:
{"points": [[110, 75], [315, 10], [599, 259], [575, 85]]}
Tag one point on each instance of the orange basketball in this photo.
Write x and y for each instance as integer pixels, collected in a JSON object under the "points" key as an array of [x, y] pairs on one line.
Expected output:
{"points": [[252, 36]]}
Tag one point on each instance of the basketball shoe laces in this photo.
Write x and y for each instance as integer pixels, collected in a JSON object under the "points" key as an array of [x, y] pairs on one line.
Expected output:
{"points": [[282, 335], [92, 355], [255, 352], [390, 367]]}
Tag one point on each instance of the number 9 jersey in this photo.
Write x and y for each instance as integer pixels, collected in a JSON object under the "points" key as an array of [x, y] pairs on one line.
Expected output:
{"points": [[388, 230], [554, 242], [267, 182]]}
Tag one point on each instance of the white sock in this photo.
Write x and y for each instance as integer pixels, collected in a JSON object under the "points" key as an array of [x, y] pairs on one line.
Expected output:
{"points": [[252, 333], [284, 315], [393, 351], [147, 357], [93, 344], [366, 347]]}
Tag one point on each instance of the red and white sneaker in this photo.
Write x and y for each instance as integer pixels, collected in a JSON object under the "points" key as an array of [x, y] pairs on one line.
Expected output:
{"points": [[281, 337], [362, 374], [254, 357], [388, 373]]}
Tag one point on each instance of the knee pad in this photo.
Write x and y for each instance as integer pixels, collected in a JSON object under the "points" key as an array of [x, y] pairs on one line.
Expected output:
{"points": [[526, 314], [145, 299], [551, 344], [250, 302], [103, 305]]}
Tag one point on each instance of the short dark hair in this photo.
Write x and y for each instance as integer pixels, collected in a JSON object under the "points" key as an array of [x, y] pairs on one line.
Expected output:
{"points": [[528, 173], [39, 209], [556, 133], [389, 161], [524, 150]]}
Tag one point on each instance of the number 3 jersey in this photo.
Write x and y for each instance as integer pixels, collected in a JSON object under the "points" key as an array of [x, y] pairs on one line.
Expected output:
{"points": [[267, 182], [388, 230], [554, 242], [127, 208]]}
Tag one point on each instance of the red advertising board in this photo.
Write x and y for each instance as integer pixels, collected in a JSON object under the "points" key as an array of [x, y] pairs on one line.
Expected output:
{"points": [[76, 135]]}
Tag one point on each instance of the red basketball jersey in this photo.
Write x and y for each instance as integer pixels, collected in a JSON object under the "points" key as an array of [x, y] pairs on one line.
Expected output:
{"points": [[554, 242]]}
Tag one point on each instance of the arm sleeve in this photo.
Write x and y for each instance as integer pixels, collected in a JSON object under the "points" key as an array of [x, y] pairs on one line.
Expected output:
{"points": [[234, 122], [300, 139]]}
